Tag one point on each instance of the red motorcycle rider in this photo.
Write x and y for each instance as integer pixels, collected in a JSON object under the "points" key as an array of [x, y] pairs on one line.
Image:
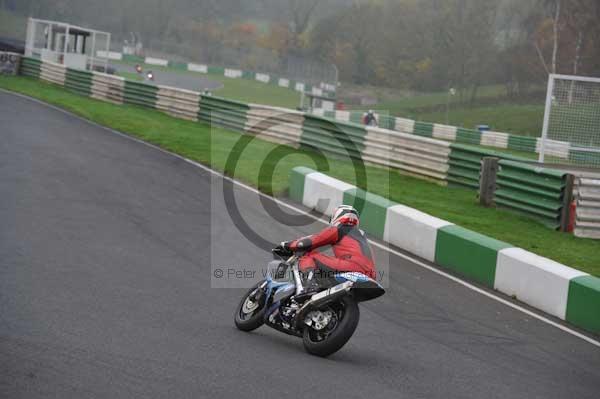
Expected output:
{"points": [[349, 243]]}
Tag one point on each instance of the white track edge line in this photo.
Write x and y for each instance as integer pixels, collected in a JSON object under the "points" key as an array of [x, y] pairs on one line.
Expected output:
{"points": [[296, 209]]}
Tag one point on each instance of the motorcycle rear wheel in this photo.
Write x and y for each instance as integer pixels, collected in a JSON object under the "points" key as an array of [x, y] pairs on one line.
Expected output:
{"points": [[328, 342], [246, 317]]}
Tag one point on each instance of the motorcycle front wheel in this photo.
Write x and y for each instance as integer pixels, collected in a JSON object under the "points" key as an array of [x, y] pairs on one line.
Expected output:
{"points": [[249, 314], [343, 317]]}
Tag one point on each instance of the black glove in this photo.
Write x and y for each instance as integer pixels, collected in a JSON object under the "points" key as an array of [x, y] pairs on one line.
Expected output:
{"points": [[283, 250]]}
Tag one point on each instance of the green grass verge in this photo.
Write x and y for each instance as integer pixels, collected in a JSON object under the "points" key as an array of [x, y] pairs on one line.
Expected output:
{"points": [[213, 146], [249, 91], [245, 90], [435, 99], [493, 110], [131, 76], [522, 119]]}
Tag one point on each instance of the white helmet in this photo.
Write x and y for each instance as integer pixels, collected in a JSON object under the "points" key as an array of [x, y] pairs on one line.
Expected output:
{"points": [[344, 214]]}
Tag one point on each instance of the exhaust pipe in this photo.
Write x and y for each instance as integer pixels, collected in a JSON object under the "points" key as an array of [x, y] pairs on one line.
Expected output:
{"points": [[321, 298]]}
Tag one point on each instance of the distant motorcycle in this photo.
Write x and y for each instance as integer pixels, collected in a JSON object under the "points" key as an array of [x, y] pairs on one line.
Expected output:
{"points": [[150, 76], [325, 318], [138, 69]]}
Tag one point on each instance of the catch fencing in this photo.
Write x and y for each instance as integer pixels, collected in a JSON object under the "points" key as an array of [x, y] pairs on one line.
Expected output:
{"points": [[572, 115]]}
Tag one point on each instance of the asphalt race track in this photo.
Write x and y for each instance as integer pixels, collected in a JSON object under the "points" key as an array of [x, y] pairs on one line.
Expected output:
{"points": [[106, 249], [181, 80]]}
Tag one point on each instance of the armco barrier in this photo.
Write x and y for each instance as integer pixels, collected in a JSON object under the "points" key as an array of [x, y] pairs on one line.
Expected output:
{"points": [[534, 191], [79, 81], [52, 72], [108, 88], [345, 139], [279, 125], [184, 104], [554, 148], [415, 153], [225, 113], [464, 167], [31, 67], [587, 220], [139, 94], [465, 164], [561, 291]]}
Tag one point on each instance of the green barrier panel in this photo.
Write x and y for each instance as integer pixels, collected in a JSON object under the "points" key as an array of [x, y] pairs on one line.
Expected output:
{"points": [[372, 209], [468, 253], [387, 122], [30, 67], [468, 136], [178, 65], [465, 163], [248, 75], [584, 157], [522, 143], [222, 112], [79, 81], [423, 129], [583, 303], [216, 70], [140, 94], [297, 179], [342, 138], [537, 192]]}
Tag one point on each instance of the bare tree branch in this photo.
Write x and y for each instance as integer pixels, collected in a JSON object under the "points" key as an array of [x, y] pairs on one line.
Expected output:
{"points": [[541, 56]]}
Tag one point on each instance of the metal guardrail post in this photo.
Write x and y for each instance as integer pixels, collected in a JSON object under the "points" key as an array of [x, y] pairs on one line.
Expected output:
{"points": [[487, 180], [565, 213]]}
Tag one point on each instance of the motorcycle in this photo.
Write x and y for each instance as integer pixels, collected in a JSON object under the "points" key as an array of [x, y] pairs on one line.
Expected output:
{"points": [[325, 318], [150, 76]]}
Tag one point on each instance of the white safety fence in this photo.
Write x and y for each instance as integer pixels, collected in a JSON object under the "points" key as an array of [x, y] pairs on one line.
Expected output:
{"points": [[274, 124], [108, 88], [51, 72], [413, 154], [177, 102]]}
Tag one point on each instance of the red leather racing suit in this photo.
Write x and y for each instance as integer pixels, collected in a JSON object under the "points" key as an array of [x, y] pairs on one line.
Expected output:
{"points": [[350, 247]]}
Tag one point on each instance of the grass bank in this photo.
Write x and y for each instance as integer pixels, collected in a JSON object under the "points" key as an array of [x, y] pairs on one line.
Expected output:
{"points": [[491, 107], [522, 119], [131, 76], [213, 146], [245, 90]]}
